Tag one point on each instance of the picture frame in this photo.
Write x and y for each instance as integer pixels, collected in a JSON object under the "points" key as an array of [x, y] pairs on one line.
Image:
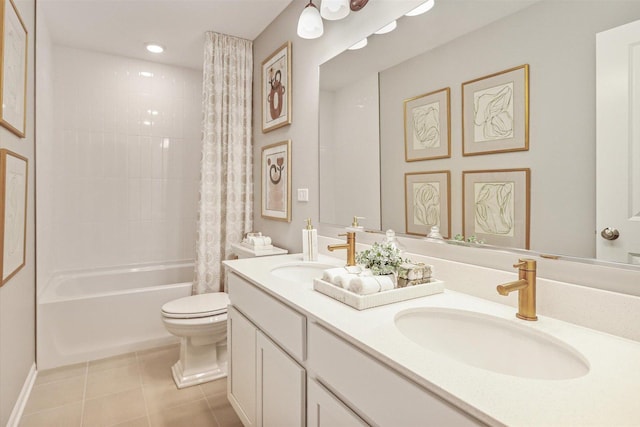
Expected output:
{"points": [[495, 113], [496, 206], [427, 126], [276, 181], [276, 89], [427, 201], [13, 213], [13, 71]]}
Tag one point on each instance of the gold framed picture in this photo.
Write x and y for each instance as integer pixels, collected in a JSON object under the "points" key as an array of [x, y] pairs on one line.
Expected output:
{"points": [[495, 113], [276, 181], [13, 73], [496, 206], [276, 89], [427, 130], [427, 200], [13, 213]]}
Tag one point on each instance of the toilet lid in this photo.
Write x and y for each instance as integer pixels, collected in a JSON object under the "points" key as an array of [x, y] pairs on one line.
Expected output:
{"points": [[203, 305]]}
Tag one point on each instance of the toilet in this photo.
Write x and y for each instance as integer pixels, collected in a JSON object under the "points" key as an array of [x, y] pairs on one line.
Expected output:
{"points": [[200, 321]]}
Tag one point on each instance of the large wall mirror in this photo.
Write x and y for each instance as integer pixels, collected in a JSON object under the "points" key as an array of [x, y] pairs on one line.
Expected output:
{"points": [[362, 125]]}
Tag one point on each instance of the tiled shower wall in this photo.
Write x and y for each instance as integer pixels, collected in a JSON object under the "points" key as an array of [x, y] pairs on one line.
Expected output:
{"points": [[126, 160]]}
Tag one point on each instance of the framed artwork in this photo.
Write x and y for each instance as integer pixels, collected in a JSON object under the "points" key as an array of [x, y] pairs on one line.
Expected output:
{"points": [[427, 197], [13, 78], [276, 89], [496, 205], [495, 113], [13, 212], [427, 133], [276, 181]]}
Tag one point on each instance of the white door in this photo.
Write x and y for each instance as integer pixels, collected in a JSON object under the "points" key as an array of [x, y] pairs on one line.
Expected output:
{"points": [[325, 410], [241, 383], [618, 144]]}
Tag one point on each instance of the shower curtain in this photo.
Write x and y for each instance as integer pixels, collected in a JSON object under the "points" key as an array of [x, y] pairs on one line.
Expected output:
{"points": [[225, 211]]}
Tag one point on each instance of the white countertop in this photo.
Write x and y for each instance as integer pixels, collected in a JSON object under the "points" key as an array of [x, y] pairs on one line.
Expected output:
{"points": [[607, 395]]}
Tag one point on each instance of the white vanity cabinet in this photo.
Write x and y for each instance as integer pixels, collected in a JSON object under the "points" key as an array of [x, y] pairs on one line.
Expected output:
{"points": [[326, 410], [266, 384]]}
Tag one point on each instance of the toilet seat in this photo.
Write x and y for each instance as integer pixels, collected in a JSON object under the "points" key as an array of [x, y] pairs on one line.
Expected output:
{"points": [[197, 306]]}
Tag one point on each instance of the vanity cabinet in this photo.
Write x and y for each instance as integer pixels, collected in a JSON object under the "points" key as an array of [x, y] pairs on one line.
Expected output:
{"points": [[326, 410], [266, 384], [379, 394]]}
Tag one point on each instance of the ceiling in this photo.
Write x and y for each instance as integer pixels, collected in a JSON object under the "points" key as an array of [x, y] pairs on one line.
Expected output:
{"points": [[122, 27]]}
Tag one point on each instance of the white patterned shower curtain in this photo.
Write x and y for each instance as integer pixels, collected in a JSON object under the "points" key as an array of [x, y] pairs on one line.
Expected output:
{"points": [[225, 210]]}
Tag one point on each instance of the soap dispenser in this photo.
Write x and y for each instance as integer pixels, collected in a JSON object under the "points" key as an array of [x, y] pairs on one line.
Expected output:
{"points": [[354, 225], [309, 242]]}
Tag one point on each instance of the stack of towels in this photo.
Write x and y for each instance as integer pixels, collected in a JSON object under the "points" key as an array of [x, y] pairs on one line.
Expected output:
{"points": [[257, 241], [358, 280]]}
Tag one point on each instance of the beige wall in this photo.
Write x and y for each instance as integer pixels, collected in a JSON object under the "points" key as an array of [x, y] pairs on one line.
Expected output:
{"points": [[307, 55], [17, 296]]}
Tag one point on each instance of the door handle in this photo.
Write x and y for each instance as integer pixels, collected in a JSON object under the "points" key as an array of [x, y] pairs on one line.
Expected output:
{"points": [[610, 233]]}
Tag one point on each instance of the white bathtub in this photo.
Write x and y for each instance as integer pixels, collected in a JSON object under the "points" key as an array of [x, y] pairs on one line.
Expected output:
{"points": [[90, 315]]}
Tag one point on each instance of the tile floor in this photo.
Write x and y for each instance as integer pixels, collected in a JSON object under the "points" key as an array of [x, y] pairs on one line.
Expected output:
{"points": [[130, 390]]}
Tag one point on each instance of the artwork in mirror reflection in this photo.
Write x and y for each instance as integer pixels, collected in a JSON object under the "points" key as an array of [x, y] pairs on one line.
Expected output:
{"points": [[427, 132], [427, 199], [495, 112], [496, 207]]}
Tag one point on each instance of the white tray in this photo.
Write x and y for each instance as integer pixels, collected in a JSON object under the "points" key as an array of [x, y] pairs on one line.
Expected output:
{"points": [[361, 302]]}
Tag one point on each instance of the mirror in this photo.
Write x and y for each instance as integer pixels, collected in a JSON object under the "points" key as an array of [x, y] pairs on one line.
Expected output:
{"points": [[459, 41]]}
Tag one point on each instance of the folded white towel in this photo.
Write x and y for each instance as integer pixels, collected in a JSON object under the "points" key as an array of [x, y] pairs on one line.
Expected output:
{"points": [[330, 275], [365, 285], [259, 240]]}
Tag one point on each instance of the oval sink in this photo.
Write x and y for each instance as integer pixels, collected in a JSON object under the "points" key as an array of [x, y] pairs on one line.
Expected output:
{"points": [[491, 343], [300, 272]]}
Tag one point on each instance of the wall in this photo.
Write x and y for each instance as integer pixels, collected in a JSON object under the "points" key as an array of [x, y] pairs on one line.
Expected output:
{"points": [[562, 115], [307, 55], [17, 296], [122, 181]]}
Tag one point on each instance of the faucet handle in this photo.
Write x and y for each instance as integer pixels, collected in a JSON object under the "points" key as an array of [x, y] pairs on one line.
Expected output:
{"points": [[342, 235], [519, 264], [525, 264]]}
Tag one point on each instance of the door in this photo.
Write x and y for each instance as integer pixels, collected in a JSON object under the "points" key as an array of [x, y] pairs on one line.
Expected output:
{"points": [[281, 387], [325, 410], [618, 144], [241, 386]]}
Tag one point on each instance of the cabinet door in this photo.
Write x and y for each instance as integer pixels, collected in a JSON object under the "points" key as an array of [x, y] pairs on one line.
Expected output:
{"points": [[281, 386], [325, 410], [241, 344]]}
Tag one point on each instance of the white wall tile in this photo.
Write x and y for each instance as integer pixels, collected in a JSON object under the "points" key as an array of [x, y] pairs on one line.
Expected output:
{"points": [[118, 193]]}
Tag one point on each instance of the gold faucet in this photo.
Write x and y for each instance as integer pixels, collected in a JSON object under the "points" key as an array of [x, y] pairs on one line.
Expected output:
{"points": [[350, 246], [526, 287]]}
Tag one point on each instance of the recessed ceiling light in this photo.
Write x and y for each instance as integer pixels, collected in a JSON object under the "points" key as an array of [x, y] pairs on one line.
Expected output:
{"points": [[362, 43], [387, 28], [154, 48], [423, 8], [145, 74]]}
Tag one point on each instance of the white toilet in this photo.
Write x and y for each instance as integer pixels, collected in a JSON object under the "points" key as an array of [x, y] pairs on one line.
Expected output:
{"points": [[201, 323]]}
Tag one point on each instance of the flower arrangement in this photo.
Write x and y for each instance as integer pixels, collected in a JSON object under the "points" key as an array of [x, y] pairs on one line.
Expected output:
{"points": [[382, 258]]}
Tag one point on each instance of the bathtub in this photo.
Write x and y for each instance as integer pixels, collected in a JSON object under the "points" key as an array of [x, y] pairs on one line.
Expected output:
{"points": [[89, 315]]}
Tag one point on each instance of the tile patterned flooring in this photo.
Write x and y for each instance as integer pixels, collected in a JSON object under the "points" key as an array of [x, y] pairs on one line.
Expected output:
{"points": [[130, 390]]}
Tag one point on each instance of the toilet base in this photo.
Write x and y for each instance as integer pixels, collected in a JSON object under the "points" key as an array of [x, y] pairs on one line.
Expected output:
{"points": [[183, 379]]}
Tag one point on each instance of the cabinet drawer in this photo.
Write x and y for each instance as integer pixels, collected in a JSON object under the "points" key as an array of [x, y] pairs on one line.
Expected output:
{"points": [[284, 325], [379, 394]]}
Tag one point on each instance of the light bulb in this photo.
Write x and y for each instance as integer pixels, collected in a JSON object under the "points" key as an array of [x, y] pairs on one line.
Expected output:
{"points": [[334, 9], [387, 28], [310, 23], [154, 48], [362, 43], [423, 8]]}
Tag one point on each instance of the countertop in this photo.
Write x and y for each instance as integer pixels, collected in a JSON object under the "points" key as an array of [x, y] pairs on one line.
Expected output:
{"points": [[606, 396]]}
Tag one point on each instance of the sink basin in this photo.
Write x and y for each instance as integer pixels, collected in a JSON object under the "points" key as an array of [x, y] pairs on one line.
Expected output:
{"points": [[491, 343], [300, 272]]}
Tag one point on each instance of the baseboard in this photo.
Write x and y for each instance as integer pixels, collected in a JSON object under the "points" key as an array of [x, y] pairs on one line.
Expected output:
{"points": [[18, 408]]}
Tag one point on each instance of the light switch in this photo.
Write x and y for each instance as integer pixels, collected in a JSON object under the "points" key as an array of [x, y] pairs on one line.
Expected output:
{"points": [[303, 194]]}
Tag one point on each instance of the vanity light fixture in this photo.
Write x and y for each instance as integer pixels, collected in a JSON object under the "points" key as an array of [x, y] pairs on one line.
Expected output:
{"points": [[154, 48], [423, 8], [333, 10], [387, 28], [362, 43], [310, 23]]}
